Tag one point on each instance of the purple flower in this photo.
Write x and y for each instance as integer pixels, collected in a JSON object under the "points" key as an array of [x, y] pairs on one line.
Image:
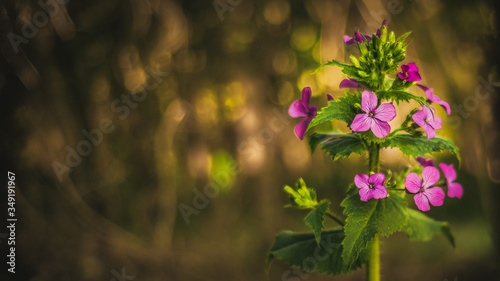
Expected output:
{"points": [[435, 99], [349, 83], [301, 108], [424, 162], [329, 97], [410, 72], [454, 189], [356, 39], [379, 33], [374, 118], [424, 194], [371, 186], [425, 118]]}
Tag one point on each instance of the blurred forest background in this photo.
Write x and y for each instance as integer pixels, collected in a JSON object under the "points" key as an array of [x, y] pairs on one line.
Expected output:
{"points": [[181, 97]]}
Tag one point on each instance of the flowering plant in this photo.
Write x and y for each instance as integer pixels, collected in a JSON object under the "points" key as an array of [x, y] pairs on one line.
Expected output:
{"points": [[376, 202]]}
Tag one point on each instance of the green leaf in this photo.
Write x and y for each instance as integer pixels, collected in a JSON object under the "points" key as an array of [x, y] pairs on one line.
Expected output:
{"points": [[343, 109], [301, 250], [316, 218], [419, 145], [398, 96], [403, 37], [338, 145], [335, 63], [365, 219], [421, 227], [302, 197]]}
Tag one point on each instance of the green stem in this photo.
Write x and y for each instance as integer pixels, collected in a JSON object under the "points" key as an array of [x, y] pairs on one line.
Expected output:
{"points": [[373, 264], [335, 218]]}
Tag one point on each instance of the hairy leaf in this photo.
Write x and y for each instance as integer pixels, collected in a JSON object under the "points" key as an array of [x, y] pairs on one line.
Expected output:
{"points": [[301, 250], [398, 96], [338, 145], [335, 63], [421, 227], [365, 219], [316, 217], [419, 145], [343, 109]]}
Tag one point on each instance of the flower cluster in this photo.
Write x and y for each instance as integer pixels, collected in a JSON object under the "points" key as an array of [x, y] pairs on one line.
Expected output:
{"points": [[374, 115]]}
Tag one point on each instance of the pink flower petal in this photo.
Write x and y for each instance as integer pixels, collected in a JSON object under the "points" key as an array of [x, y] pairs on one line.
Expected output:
{"points": [[379, 192], [425, 162], [349, 40], [413, 76], [445, 106], [455, 190], [358, 36], [365, 194], [429, 131], [329, 97], [306, 95], [412, 67], [405, 68], [301, 128], [430, 176], [448, 171], [413, 182], [361, 181], [368, 101], [401, 76], [380, 129], [377, 179], [419, 117], [297, 109], [436, 122], [422, 202], [361, 123], [349, 83], [435, 195], [385, 112]]}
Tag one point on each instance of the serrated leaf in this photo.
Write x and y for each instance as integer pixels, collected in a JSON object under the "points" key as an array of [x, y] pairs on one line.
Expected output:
{"points": [[398, 96], [335, 63], [316, 218], [421, 227], [302, 197], [419, 145], [365, 219], [341, 109], [338, 145], [301, 250]]}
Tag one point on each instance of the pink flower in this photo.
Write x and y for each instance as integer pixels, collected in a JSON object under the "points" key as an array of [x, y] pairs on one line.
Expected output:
{"points": [[424, 194], [410, 72], [454, 189], [424, 162], [425, 119], [356, 39], [371, 186], [374, 118], [435, 99], [329, 97], [301, 108], [349, 83]]}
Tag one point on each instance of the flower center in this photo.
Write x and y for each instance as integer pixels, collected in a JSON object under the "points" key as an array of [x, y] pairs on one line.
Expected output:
{"points": [[371, 114], [371, 186], [422, 189], [426, 120]]}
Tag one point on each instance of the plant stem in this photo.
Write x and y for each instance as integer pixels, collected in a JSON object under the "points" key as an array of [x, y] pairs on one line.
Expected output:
{"points": [[373, 264], [335, 218]]}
